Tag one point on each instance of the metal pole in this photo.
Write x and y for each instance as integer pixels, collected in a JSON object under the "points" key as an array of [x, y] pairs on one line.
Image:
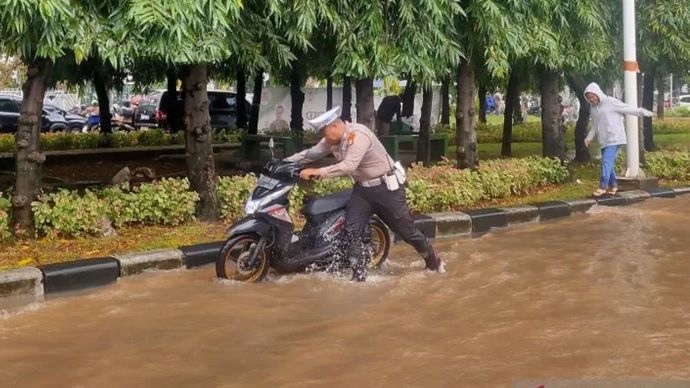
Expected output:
{"points": [[631, 68], [671, 87]]}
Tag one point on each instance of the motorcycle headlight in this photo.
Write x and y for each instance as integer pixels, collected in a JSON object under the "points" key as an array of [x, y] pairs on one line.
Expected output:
{"points": [[251, 207]]}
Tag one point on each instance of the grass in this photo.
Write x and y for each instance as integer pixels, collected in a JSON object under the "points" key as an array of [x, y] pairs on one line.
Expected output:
{"points": [[53, 250]]}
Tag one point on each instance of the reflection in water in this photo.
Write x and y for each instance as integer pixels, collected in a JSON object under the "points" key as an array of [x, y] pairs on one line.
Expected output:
{"points": [[600, 296]]}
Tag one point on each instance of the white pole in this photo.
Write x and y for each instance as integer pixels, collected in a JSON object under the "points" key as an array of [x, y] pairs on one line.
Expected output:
{"points": [[631, 68], [671, 87]]}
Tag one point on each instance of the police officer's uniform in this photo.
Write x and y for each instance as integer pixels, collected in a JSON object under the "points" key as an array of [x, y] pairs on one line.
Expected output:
{"points": [[362, 156]]}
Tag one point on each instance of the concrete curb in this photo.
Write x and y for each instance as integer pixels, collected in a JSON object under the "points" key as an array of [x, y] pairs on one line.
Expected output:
{"points": [[136, 263], [521, 214], [31, 283], [79, 274], [22, 283]]}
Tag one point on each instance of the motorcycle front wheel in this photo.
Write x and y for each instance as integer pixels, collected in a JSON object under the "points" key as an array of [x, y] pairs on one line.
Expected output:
{"points": [[380, 243], [234, 261]]}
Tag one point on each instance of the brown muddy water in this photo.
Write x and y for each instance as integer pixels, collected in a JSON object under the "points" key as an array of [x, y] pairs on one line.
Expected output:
{"points": [[603, 296]]}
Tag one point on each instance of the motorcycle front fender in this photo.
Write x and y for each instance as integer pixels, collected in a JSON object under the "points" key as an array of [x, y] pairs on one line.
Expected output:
{"points": [[249, 225]]}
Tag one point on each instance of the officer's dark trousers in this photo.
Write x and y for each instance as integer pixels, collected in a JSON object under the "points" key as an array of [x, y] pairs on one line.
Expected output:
{"points": [[391, 207]]}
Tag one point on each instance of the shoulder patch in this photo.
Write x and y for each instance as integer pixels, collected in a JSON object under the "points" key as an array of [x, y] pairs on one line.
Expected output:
{"points": [[351, 138]]}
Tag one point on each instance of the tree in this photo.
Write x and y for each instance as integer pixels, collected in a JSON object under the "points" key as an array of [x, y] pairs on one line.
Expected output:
{"points": [[381, 38], [204, 32], [663, 30], [39, 33], [492, 33]]}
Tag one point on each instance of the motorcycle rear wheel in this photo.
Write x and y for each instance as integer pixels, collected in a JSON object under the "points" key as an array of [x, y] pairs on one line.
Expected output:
{"points": [[380, 243], [232, 262]]}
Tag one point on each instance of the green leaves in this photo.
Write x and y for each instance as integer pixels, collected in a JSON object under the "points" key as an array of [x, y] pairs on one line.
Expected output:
{"points": [[5, 207], [68, 213]]}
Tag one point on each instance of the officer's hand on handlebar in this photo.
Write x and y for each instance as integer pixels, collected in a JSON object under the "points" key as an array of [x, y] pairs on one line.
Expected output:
{"points": [[309, 173]]}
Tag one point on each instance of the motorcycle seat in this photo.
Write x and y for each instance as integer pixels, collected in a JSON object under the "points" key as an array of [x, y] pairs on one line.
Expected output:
{"points": [[327, 203]]}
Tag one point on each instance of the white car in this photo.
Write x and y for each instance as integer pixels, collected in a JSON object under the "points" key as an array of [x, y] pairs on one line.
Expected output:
{"points": [[684, 101]]}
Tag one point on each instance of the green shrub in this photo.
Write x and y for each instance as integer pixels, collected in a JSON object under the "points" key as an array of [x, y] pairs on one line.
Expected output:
{"points": [[68, 141], [164, 202], [5, 207], [681, 111], [429, 189], [228, 135], [443, 187], [530, 132], [674, 165], [233, 193], [6, 142], [154, 137], [66, 213], [124, 139]]}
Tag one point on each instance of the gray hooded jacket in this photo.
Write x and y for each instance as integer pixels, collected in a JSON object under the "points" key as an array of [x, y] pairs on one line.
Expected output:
{"points": [[607, 118]]}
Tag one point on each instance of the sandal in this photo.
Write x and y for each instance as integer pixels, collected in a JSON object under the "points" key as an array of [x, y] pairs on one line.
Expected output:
{"points": [[599, 193], [613, 190]]}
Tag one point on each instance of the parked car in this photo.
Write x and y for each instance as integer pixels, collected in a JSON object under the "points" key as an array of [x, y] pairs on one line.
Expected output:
{"points": [[152, 111], [684, 101], [74, 121], [10, 106]]}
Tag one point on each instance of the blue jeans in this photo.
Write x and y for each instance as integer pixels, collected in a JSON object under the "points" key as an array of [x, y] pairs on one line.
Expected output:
{"points": [[608, 167]]}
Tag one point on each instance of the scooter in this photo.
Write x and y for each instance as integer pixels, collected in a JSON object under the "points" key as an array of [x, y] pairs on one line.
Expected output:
{"points": [[266, 238]]}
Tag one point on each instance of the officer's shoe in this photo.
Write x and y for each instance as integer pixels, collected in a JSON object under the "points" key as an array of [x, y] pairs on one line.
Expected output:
{"points": [[435, 263], [359, 274]]}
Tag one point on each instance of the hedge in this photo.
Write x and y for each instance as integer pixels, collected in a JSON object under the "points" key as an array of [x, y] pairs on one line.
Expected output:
{"points": [[531, 132], [69, 213], [4, 217], [144, 137], [672, 165], [437, 188]]}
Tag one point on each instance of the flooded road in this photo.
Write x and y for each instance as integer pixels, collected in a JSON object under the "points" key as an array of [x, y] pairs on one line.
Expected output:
{"points": [[604, 295]]}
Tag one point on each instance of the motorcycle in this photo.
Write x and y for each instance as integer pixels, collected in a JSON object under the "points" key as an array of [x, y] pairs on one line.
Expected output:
{"points": [[266, 238]]}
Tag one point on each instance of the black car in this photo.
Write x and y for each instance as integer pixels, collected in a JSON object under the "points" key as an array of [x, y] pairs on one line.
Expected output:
{"points": [[152, 111], [74, 121], [10, 106]]}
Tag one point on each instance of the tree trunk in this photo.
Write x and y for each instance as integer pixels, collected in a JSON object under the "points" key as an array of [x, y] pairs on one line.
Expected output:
{"points": [[465, 133], [445, 100], [28, 155], [329, 92], [513, 91], [103, 100], [482, 104], [577, 83], [553, 134], [346, 113], [241, 98], [517, 107], [425, 126], [172, 111], [256, 102], [408, 98], [199, 139], [297, 99], [661, 87], [648, 103], [365, 102]]}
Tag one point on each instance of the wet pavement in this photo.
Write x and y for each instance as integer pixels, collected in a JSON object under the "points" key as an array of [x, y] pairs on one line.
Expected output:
{"points": [[603, 295]]}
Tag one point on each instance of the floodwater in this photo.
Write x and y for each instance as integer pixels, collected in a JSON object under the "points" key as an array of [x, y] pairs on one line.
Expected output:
{"points": [[603, 296]]}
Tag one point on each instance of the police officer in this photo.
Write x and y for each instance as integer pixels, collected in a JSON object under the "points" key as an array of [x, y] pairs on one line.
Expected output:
{"points": [[362, 156]]}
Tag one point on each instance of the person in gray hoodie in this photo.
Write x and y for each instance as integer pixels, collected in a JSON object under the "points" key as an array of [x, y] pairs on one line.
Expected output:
{"points": [[607, 116]]}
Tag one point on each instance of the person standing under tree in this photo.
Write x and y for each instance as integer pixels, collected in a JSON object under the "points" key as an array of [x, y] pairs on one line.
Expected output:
{"points": [[607, 116], [390, 106]]}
